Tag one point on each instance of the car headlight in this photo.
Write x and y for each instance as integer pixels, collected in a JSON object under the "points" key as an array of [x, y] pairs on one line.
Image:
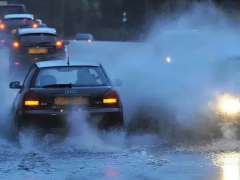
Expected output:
{"points": [[229, 105]]}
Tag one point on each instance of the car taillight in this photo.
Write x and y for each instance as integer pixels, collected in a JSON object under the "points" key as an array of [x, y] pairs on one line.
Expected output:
{"points": [[35, 25], [16, 44], [110, 97], [2, 26], [16, 63], [59, 44], [31, 99], [89, 40]]}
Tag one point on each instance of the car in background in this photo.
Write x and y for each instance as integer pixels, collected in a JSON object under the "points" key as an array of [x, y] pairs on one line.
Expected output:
{"points": [[54, 90], [40, 23], [12, 9], [84, 37], [30, 45], [11, 22], [224, 104]]}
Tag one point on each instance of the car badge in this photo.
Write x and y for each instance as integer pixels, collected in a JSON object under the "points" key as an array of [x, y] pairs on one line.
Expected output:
{"points": [[70, 91]]}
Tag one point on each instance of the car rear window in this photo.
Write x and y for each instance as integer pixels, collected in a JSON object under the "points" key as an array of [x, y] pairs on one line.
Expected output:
{"points": [[84, 36], [38, 37], [18, 21], [77, 76], [4, 10]]}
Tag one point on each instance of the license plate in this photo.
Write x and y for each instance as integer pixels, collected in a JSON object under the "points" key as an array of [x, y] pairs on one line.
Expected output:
{"points": [[70, 100], [14, 31], [37, 50]]}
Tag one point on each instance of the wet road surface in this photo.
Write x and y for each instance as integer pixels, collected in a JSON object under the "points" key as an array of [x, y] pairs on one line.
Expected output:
{"points": [[111, 156]]}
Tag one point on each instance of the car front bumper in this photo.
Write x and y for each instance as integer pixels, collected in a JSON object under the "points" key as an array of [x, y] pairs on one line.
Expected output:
{"points": [[50, 120]]}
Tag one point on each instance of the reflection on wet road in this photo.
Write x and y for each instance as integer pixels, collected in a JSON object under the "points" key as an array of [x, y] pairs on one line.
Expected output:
{"points": [[76, 159], [229, 163]]}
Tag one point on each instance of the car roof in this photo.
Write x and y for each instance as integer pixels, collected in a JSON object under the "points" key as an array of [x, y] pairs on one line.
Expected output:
{"points": [[37, 30], [11, 16], [63, 63], [3, 5], [84, 34]]}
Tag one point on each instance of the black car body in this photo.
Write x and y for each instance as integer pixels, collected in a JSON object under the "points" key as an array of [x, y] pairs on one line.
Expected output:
{"points": [[52, 91], [12, 9], [84, 37], [11, 22], [30, 45]]}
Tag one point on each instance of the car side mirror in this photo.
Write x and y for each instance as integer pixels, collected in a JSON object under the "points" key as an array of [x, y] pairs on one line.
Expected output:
{"points": [[15, 85], [117, 82], [66, 42]]}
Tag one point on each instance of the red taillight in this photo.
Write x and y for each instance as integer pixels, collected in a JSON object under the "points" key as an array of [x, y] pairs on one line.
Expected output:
{"points": [[16, 63], [31, 99], [59, 44], [16, 44], [74, 40], [35, 25], [89, 40], [110, 97], [2, 41], [2, 26]]}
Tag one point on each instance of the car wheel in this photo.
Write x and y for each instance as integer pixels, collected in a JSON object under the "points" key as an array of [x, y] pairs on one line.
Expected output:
{"points": [[112, 122]]}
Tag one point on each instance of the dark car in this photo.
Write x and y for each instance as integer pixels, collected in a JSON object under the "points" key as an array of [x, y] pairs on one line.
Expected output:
{"points": [[84, 37], [12, 9], [34, 44], [41, 24], [53, 90], [11, 22]]}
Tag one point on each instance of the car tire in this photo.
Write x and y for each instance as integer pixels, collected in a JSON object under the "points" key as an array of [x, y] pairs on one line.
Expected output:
{"points": [[112, 122]]}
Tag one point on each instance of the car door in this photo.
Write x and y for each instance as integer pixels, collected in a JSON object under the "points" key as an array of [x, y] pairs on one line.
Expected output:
{"points": [[24, 88]]}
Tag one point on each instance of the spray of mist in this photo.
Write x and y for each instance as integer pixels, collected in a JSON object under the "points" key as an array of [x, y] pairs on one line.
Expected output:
{"points": [[163, 97], [195, 41]]}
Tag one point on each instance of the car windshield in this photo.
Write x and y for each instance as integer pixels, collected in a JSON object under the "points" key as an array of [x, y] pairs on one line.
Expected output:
{"points": [[18, 21], [77, 76], [229, 72], [27, 39]]}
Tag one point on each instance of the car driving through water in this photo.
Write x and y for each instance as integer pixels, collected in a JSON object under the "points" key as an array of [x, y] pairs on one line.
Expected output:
{"points": [[53, 90], [30, 45], [226, 103], [10, 23]]}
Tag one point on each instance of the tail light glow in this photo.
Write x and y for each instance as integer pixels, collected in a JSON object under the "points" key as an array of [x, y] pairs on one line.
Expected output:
{"points": [[59, 44], [31, 103], [2, 26], [16, 63], [110, 97], [31, 99], [89, 40], [35, 25], [16, 44], [2, 41]]}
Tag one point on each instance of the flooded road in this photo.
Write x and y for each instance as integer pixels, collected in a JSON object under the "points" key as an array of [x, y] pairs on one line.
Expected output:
{"points": [[112, 156]]}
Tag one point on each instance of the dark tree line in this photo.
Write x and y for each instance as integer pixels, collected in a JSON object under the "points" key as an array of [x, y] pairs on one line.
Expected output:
{"points": [[104, 18]]}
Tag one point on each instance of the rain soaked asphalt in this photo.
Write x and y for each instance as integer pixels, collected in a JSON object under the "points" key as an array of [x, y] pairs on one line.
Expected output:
{"points": [[113, 156]]}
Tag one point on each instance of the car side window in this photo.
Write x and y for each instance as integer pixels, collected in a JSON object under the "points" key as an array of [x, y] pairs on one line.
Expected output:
{"points": [[29, 75], [96, 75]]}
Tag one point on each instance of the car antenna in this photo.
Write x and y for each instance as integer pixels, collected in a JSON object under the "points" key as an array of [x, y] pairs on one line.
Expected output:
{"points": [[68, 55]]}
